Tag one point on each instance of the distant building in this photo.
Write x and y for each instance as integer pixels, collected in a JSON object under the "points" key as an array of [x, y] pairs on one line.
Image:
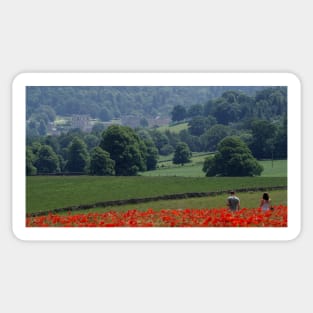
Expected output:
{"points": [[82, 122]]}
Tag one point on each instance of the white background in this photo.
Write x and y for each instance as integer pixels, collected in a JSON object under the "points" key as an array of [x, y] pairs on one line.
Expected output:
{"points": [[219, 36]]}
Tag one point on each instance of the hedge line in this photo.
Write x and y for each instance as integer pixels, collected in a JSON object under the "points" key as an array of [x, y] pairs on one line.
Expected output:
{"points": [[142, 200]]}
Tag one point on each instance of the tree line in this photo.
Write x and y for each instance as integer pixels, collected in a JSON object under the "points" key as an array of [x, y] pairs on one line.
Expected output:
{"points": [[116, 151], [234, 106], [260, 121], [105, 102]]}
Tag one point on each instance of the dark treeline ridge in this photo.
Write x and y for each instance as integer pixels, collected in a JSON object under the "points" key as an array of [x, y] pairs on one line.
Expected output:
{"points": [[112, 102]]}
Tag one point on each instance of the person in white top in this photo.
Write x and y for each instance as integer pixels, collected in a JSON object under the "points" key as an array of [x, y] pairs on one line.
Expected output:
{"points": [[265, 203]]}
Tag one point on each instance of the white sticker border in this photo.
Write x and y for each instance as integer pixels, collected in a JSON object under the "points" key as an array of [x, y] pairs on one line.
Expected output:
{"points": [[155, 234]]}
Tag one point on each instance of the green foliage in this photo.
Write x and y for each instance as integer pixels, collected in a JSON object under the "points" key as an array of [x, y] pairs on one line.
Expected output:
{"points": [[166, 150], [233, 158], [259, 119], [78, 157], [144, 122], [160, 139], [101, 163], [46, 160], [198, 125], [53, 142], [124, 147], [263, 136], [173, 138], [226, 112], [30, 159], [32, 131], [105, 115], [48, 111], [98, 128], [182, 154], [146, 101], [91, 141], [281, 140], [193, 142], [105, 102], [46, 192], [195, 110], [213, 136], [179, 113], [151, 155], [42, 129]]}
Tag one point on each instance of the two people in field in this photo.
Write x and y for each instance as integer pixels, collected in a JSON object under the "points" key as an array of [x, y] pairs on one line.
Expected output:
{"points": [[233, 202]]}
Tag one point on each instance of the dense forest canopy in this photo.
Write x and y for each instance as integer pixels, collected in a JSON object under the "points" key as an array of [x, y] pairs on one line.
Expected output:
{"points": [[117, 101]]}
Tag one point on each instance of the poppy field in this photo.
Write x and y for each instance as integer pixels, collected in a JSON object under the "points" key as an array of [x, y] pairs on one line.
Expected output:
{"points": [[189, 217]]}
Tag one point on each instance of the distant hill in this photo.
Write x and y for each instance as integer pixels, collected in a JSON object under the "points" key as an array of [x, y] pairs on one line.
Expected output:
{"points": [[111, 102]]}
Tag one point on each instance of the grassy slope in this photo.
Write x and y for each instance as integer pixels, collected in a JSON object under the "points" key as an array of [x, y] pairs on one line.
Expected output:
{"points": [[248, 200], [194, 169], [45, 193], [174, 129]]}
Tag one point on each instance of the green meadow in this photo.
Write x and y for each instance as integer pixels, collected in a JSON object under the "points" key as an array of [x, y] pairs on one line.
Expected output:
{"points": [[45, 193], [177, 128], [277, 168], [247, 199]]}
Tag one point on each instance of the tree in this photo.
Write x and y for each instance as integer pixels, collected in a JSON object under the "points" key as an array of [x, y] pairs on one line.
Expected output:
{"points": [[91, 141], [144, 122], [182, 154], [166, 149], [226, 112], [52, 141], [105, 115], [178, 113], [124, 147], [30, 159], [49, 111], [197, 126], [101, 163], [47, 160], [193, 142], [42, 129], [32, 130], [98, 128], [151, 155], [78, 158], [173, 138], [213, 136], [159, 139], [262, 134], [281, 140], [233, 158], [195, 110]]}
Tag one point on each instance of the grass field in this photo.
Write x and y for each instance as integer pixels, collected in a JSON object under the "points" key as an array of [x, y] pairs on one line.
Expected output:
{"points": [[197, 158], [174, 129], [277, 168], [194, 169], [46, 193], [247, 199]]}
